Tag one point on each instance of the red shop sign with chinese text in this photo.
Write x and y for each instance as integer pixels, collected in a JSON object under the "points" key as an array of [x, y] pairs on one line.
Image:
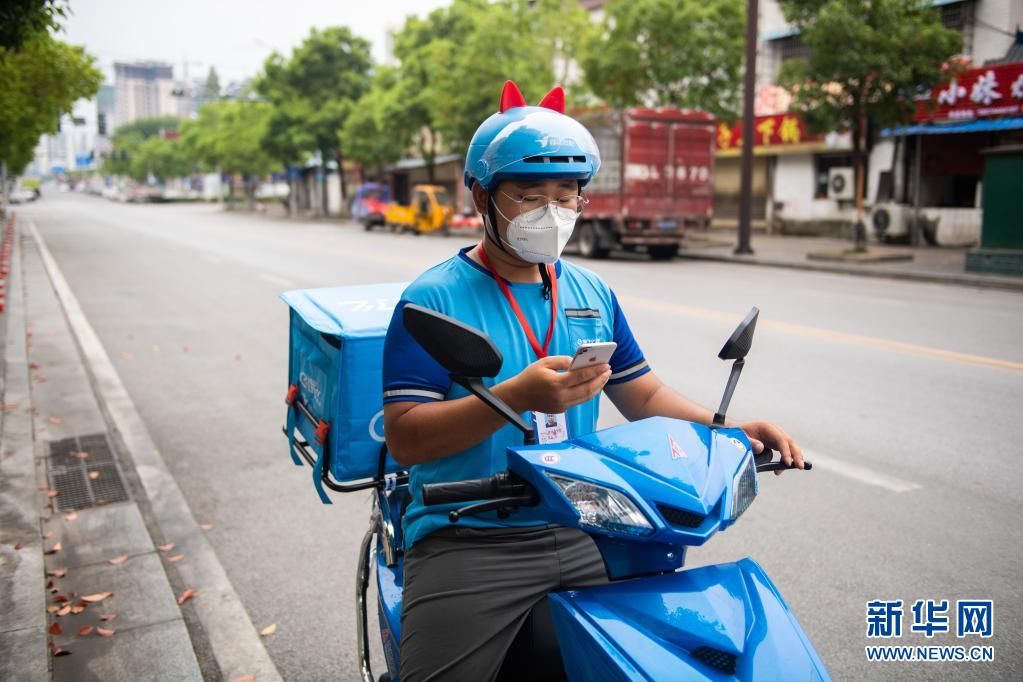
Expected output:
{"points": [[978, 93], [778, 129]]}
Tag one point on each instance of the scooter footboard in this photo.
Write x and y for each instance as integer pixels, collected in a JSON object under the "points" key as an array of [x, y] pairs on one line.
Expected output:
{"points": [[711, 622]]}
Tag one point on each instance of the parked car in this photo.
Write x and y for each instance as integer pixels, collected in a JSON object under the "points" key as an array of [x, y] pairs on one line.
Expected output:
{"points": [[370, 204]]}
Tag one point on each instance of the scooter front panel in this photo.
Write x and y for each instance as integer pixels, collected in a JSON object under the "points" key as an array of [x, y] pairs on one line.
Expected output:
{"points": [[712, 622]]}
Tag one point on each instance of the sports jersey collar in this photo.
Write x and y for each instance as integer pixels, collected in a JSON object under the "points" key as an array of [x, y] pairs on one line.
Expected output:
{"points": [[463, 253]]}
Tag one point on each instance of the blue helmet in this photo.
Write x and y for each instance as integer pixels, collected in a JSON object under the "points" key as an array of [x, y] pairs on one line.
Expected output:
{"points": [[522, 142]]}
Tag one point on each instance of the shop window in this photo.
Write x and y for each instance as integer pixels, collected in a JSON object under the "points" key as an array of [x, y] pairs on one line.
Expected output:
{"points": [[822, 163], [958, 16], [792, 47]]}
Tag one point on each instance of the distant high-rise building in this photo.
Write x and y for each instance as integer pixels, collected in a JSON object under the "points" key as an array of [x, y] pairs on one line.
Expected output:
{"points": [[145, 90]]}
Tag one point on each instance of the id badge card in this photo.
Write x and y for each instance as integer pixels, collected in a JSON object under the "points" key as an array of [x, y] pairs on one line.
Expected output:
{"points": [[550, 428]]}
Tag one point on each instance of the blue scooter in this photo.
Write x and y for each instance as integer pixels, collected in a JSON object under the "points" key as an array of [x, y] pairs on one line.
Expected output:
{"points": [[645, 491]]}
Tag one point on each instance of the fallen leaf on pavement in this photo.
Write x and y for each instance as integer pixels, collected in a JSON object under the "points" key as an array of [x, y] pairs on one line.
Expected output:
{"points": [[61, 652], [40, 378], [85, 630], [57, 573], [33, 365], [99, 596], [166, 548], [268, 630], [119, 560], [103, 632], [47, 535], [54, 549], [245, 678], [64, 610], [52, 608], [61, 598], [176, 557], [53, 493], [206, 526], [106, 617], [78, 608], [186, 595], [237, 358], [55, 420], [55, 629], [184, 349], [80, 454], [71, 517], [18, 546], [93, 475]]}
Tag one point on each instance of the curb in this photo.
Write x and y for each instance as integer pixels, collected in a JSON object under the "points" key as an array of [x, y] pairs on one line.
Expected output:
{"points": [[231, 636], [23, 652], [957, 280]]}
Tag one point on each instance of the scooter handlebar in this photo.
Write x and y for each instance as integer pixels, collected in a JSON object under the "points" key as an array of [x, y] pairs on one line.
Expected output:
{"points": [[466, 491], [764, 462]]}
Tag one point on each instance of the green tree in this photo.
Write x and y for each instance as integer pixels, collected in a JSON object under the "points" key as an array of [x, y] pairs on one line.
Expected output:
{"points": [[161, 158], [22, 19], [227, 138], [867, 59], [681, 53], [313, 92], [453, 65], [41, 80], [211, 88], [373, 135], [129, 138]]}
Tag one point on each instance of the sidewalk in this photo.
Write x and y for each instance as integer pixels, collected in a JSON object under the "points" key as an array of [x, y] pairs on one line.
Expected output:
{"points": [[929, 264], [98, 581]]}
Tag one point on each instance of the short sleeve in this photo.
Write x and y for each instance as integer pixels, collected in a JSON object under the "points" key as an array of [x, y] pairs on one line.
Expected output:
{"points": [[628, 362], [410, 373]]}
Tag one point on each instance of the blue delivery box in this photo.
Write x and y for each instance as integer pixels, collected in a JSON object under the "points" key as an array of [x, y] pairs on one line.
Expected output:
{"points": [[335, 384]]}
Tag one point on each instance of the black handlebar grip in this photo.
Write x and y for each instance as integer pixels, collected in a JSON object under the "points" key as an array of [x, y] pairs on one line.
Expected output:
{"points": [[458, 491]]}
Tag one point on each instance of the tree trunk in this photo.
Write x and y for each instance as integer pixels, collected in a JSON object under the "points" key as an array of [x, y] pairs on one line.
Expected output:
{"points": [[339, 159], [431, 171], [324, 206]]}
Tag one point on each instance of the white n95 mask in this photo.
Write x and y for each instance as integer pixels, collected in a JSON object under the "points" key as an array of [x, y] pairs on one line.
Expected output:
{"points": [[540, 235]]}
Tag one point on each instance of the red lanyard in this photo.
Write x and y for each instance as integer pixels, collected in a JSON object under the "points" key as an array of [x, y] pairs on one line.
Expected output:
{"points": [[530, 336]]}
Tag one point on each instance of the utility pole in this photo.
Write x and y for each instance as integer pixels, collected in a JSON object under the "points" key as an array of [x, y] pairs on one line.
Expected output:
{"points": [[746, 174]]}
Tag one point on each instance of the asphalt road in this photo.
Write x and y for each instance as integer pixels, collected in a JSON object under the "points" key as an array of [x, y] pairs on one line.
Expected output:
{"points": [[907, 396]]}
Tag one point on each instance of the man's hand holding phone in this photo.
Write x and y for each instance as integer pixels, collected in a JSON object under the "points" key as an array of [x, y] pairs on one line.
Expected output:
{"points": [[546, 386]]}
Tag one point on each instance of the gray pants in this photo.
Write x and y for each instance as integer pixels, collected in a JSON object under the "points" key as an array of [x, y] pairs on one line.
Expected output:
{"points": [[468, 591]]}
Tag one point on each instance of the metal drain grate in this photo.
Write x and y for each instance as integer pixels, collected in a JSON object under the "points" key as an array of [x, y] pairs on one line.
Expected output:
{"points": [[70, 475]]}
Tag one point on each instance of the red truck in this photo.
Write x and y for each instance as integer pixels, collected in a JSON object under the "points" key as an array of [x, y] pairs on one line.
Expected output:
{"points": [[655, 180]]}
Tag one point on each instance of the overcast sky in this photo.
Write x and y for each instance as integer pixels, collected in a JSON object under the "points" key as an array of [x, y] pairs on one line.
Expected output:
{"points": [[235, 36]]}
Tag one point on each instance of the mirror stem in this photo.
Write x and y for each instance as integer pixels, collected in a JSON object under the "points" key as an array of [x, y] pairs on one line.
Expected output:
{"points": [[733, 379], [476, 386]]}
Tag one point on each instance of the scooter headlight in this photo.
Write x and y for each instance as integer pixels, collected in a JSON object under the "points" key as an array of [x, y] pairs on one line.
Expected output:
{"points": [[744, 486], [602, 507]]}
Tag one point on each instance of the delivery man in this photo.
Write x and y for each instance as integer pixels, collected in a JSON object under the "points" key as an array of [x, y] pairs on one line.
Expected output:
{"points": [[469, 588]]}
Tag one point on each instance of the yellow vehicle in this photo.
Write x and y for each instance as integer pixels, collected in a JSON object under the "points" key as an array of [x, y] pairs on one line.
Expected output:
{"points": [[430, 210]]}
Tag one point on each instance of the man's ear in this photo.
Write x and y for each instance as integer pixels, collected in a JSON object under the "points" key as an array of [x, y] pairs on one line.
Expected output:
{"points": [[479, 197]]}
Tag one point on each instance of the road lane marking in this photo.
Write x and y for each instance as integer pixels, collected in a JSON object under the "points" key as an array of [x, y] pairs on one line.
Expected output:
{"points": [[826, 334], [231, 634], [274, 279], [865, 475]]}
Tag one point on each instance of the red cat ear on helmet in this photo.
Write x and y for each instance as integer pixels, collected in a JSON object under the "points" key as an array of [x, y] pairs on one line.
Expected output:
{"points": [[555, 99], [511, 97]]}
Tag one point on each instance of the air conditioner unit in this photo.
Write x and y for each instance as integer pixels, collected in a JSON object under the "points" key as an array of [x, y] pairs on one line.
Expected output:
{"points": [[841, 184], [890, 221]]}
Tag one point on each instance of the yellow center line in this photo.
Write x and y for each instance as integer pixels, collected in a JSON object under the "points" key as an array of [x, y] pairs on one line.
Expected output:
{"points": [[826, 334]]}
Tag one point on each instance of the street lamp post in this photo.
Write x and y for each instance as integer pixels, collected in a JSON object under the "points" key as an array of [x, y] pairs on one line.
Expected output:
{"points": [[746, 176]]}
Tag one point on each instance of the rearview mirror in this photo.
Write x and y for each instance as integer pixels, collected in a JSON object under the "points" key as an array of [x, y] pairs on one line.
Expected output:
{"points": [[458, 348], [741, 340]]}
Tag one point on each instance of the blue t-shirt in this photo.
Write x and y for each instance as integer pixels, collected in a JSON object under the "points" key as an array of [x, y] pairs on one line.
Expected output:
{"points": [[465, 290]]}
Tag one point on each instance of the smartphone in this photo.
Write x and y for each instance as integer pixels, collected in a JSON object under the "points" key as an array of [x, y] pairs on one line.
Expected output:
{"points": [[593, 354]]}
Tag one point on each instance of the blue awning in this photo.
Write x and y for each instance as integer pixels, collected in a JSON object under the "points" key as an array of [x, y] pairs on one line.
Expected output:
{"points": [[976, 126]]}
